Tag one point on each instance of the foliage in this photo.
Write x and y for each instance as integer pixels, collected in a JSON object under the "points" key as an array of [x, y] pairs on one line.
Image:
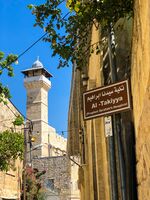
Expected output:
{"points": [[18, 121], [68, 36], [5, 64], [11, 148], [33, 184]]}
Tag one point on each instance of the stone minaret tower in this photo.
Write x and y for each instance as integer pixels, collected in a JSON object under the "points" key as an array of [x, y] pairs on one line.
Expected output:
{"points": [[37, 83]]}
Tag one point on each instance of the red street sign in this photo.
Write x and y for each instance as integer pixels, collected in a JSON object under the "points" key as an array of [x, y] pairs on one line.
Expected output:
{"points": [[106, 100]]}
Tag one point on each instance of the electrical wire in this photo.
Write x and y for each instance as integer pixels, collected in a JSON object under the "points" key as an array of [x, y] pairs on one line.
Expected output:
{"points": [[10, 127], [7, 120], [20, 55], [39, 39], [61, 2], [16, 115], [30, 46]]}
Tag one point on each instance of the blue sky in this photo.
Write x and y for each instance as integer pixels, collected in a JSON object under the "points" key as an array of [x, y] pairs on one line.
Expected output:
{"points": [[17, 34]]}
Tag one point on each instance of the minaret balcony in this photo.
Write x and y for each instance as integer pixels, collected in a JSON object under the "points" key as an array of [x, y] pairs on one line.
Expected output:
{"points": [[37, 81]]}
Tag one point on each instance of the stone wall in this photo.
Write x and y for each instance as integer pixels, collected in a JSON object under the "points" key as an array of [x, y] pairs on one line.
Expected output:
{"points": [[96, 150], [10, 182], [94, 174], [57, 143], [141, 94], [90, 143], [57, 180]]}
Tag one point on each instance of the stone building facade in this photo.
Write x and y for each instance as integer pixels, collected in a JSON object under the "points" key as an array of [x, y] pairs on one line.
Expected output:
{"points": [[140, 83], [10, 181], [56, 180], [48, 152], [87, 139]]}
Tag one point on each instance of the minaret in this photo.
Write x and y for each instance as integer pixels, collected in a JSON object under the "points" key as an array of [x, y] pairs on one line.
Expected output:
{"points": [[37, 83]]}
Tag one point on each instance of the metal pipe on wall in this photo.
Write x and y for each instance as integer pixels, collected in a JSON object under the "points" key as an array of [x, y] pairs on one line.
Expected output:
{"points": [[116, 117]]}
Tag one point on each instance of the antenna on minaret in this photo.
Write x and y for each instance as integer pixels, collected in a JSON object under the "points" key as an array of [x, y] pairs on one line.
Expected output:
{"points": [[38, 58]]}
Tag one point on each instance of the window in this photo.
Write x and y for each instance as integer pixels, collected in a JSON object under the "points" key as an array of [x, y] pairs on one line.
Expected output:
{"points": [[49, 183]]}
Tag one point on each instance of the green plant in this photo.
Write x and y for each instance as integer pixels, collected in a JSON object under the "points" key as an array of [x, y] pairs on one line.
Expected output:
{"points": [[33, 184], [6, 64], [18, 121], [11, 148], [69, 36]]}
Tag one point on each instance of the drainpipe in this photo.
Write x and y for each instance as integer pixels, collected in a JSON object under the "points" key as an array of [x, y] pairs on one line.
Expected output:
{"points": [[24, 163], [116, 126]]}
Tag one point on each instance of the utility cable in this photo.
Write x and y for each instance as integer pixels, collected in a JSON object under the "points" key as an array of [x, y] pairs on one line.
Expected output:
{"points": [[7, 120], [30, 46], [16, 115], [26, 50], [12, 111], [10, 127]]}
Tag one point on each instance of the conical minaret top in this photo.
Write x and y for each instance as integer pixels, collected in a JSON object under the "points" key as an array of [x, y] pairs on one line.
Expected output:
{"points": [[37, 69]]}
